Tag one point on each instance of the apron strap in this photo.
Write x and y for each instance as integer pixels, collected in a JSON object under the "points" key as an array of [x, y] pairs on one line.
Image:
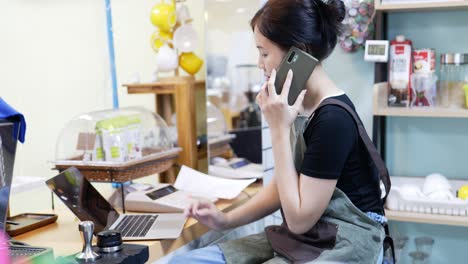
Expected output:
{"points": [[374, 154]]}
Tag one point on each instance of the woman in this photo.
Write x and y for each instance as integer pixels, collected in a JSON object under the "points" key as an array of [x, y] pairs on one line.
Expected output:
{"points": [[328, 192]]}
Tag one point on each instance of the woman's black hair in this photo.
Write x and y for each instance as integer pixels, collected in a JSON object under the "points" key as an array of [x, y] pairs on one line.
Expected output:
{"points": [[311, 25]]}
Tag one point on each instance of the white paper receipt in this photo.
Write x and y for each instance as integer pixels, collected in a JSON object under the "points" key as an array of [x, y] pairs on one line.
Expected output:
{"points": [[196, 182]]}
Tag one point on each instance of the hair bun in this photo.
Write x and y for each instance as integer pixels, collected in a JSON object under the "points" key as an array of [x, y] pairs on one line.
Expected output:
{"points": [[336, 9]]}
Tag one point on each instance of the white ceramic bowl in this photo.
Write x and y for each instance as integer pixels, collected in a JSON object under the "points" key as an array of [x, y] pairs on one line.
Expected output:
{"points": [[410, 191], [442, 195], [436, 182]]}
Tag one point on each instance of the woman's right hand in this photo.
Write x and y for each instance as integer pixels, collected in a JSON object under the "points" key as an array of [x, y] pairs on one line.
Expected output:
{"points": [[207, 213]]}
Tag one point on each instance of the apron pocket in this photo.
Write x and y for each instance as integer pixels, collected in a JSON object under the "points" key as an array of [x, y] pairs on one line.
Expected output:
{"points": [[305, 247]]}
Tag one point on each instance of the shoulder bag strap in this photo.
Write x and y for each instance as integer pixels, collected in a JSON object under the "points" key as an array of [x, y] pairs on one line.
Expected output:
{"points": [[374, 154]]}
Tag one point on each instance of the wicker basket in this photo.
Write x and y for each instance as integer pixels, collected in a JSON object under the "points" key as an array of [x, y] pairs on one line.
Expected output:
{"points": [[153, 162]]}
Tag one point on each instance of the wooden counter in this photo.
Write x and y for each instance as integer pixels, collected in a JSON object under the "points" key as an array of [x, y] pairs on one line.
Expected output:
{"points": [[64, 237]]}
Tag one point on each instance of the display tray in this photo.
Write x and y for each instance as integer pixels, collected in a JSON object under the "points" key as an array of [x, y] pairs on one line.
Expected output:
{"points": [[224, 139], [102, 171], [397, 202], [27, 222]]}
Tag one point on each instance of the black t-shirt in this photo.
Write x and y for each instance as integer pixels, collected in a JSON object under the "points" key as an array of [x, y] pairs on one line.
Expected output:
{"points": [[335, 151]]}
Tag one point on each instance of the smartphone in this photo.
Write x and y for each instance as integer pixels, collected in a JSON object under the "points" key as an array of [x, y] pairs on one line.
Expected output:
{"points": [[302, 64]]}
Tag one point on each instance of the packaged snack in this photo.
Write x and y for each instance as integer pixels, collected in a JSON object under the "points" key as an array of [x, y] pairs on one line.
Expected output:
{"points": [[112, 131], [424, 87], [132, 137], [424, 60]]}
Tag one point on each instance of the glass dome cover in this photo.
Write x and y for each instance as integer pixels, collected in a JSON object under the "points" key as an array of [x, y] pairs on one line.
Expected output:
{"points": [[113, 136], [215, 121], [217, 128]]}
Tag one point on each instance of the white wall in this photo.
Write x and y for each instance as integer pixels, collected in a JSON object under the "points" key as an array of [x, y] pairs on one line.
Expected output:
{"points": [[54, 64], [229, 34], [356, 77]]}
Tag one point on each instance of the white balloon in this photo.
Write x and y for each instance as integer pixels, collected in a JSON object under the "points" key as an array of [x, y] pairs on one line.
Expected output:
{"points": [[166, 59], [185, 38], [183, 14]]}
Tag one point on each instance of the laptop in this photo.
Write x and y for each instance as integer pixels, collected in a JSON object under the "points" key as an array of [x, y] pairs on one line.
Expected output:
{"points": [[18, 252], [88, 205]]}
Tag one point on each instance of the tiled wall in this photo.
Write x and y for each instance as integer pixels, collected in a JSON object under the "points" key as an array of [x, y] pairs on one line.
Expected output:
{"points": [[267, 153], [268, 167]]}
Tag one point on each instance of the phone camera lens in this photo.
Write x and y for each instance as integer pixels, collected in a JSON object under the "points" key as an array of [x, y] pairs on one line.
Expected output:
{"points": [[293, 54]]}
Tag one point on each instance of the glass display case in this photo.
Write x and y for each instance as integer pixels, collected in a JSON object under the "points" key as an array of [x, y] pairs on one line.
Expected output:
{"points": [[218, 136], [215, 121], [116, 145]]}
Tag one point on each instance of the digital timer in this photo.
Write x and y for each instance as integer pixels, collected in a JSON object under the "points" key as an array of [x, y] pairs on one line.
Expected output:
{"points": [[376, 50]]}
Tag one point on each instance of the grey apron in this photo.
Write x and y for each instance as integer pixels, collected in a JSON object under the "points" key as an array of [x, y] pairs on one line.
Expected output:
{"points": [[344, 234]]}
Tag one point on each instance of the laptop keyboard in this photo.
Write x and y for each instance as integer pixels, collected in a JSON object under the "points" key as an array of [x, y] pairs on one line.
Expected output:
{"points": [[135, 225], [22, 253]]}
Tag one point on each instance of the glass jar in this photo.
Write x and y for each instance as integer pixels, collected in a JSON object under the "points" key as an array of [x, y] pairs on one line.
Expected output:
{"points": [[446, 76], [424, 244], [419, 257], [400, 243], [215, 121], [454, 70], [465, 88], [457, 94]]}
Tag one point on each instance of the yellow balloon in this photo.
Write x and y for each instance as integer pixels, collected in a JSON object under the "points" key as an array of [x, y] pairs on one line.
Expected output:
{"points": [[163, 16], [159, 38], [190, 62]]}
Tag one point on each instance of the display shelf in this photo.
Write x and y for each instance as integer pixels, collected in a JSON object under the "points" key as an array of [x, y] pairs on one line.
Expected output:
{"points": [[414, 217], [181, 91], [403, 216], [380, 107], [163, 86], [415, 7], [219, 146]]}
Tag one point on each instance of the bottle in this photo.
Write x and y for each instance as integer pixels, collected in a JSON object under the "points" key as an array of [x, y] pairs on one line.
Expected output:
{"points": [[400, 69]]}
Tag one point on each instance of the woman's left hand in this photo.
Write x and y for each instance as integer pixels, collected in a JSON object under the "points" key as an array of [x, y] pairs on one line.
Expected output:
{"points": [[278, 113]]}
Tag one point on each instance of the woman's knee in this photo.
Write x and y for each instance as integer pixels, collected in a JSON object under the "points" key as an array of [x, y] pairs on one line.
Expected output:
{"points": [[208, 255], [182, 258]]}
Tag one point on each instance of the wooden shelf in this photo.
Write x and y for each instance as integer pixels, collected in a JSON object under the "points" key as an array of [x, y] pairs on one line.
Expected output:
{"points": [[176, 94], [219, 147], [403, 216], [435, 6], [163, 86], [380, 107]]}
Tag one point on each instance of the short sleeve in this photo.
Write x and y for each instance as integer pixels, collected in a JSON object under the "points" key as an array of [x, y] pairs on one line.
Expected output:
{"points": [[330, 138]]}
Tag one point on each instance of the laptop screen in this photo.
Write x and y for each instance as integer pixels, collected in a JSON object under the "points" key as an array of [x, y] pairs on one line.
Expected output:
{"points": [[7, 160], [83, 199]]}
